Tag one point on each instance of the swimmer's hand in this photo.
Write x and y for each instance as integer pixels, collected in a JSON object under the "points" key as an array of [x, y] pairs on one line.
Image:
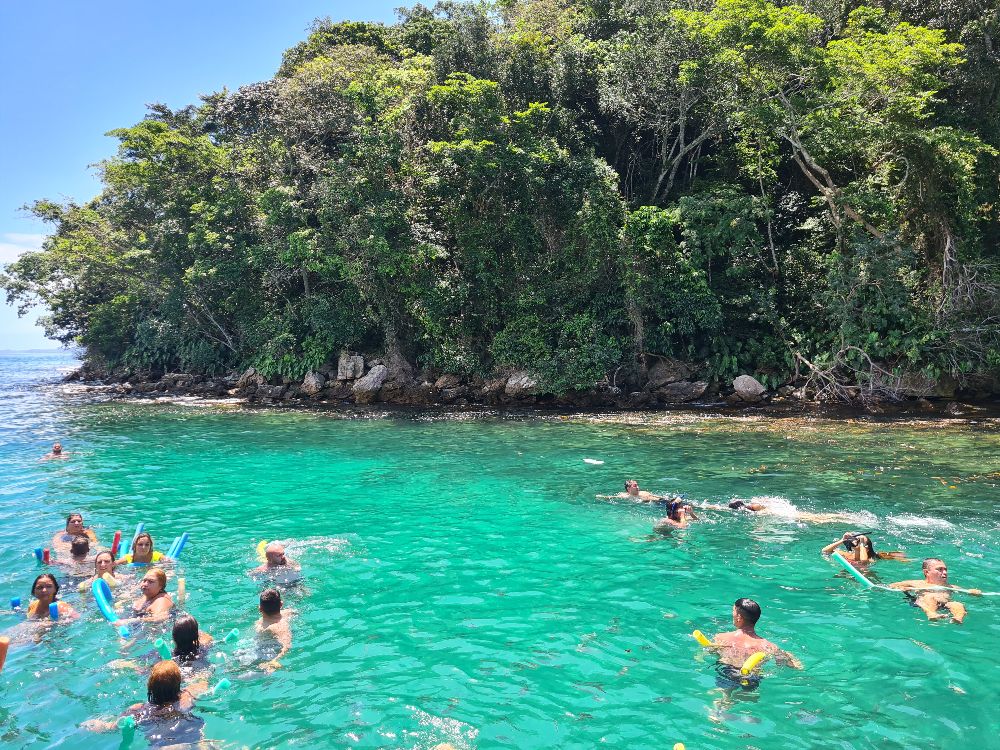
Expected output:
{"points": [[270, 666], [974, 592]]}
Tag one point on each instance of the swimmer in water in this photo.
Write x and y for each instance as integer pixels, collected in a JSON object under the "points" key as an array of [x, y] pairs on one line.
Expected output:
{"points": [[155, 603], [275, 560], [56, 452], [191, 644], [679, 516], [927, 594], [142, 552], [45, 589], [755, 506], [104, 564], [738, 645], [633, 493], [860, 551], [166, 716], [275, 624], [62, 540]]}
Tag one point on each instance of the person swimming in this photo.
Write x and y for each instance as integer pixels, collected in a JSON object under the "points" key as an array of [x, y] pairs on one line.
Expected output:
{"points": [[275, 560], [165, 718], [632, 492], [191, 644], [62, 540], [275, 624], [736, 646], [928, 596], [155, 603], [142, 552], [56, 452], [45, 589], [678, 515], [860, 551], [104, 564]]}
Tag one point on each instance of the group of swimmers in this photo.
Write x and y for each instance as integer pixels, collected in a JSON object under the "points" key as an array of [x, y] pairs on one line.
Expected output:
{"points": [[932, 594], [168, 701]]}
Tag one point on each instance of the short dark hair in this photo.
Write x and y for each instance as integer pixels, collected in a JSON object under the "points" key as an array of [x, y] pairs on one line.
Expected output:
{"points": [[749, 610], [80, 545], [71, 516], [270, 601], [928, 561], [736, 504]]}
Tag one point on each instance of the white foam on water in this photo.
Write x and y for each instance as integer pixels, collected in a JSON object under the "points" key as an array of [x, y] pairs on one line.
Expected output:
{"points": [[593, 461], [909, 520]]}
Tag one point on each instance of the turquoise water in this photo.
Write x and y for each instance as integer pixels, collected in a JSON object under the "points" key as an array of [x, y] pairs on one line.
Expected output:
{"points": [[463, 585]]}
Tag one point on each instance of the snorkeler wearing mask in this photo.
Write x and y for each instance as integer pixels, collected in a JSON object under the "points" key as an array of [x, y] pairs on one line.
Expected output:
{"points": [[860, 551]]}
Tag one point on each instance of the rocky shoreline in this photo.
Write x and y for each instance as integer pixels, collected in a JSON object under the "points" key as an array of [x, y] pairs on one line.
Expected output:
{"points": [[355, 380]]}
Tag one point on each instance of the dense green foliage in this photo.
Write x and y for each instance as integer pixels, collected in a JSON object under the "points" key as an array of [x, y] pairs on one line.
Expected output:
{"points": [[565, 187]]}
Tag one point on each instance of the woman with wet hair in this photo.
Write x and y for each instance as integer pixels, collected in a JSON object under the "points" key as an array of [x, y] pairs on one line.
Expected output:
{"points": [[190, 643], [45, 589], [859, 550], [165, 717], [74, 528], [155, 603], [142, 552]]}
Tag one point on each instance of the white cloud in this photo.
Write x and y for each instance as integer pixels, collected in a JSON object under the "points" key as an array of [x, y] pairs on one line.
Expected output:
{"points": [[13, 244]]}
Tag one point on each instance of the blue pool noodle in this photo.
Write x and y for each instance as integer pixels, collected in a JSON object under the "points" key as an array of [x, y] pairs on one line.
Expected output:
{"points": [[178, 546], [54, 610], [127, 547]]}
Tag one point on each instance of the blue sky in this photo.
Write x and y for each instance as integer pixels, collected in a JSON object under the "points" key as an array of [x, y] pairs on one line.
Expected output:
{"points": [[70, 71]]}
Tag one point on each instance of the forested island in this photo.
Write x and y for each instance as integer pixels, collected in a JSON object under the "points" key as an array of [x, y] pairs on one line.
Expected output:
{"points": [[595, 202]]}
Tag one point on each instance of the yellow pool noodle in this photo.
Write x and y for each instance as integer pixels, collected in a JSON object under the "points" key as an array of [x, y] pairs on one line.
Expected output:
{"points": [[261, 546], [678, 746], [700, 637], [752, 662], [85, 584]]}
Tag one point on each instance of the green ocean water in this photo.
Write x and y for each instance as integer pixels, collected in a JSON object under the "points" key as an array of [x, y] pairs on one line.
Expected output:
{"points": [[462, 584]]}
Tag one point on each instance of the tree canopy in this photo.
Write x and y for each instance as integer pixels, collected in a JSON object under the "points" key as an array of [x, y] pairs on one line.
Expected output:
{"points": [[564, 187]]}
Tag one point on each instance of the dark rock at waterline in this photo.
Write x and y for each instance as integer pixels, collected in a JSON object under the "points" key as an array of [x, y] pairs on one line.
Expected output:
{"points": [[667, 371], [366, 389], [681, 392]]}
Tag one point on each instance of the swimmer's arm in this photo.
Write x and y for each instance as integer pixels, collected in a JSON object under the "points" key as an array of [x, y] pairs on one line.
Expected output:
{"points": [[906, 585], [829, 549], [190, 694], [786, 659], [66, 612], [611, 497], [160, 610], [100, 725]]}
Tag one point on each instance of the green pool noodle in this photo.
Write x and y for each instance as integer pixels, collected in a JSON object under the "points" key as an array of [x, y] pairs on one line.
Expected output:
{"points": [[231, 636], [223, 684], [163, 648], [853, 571], [127, 725]]}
